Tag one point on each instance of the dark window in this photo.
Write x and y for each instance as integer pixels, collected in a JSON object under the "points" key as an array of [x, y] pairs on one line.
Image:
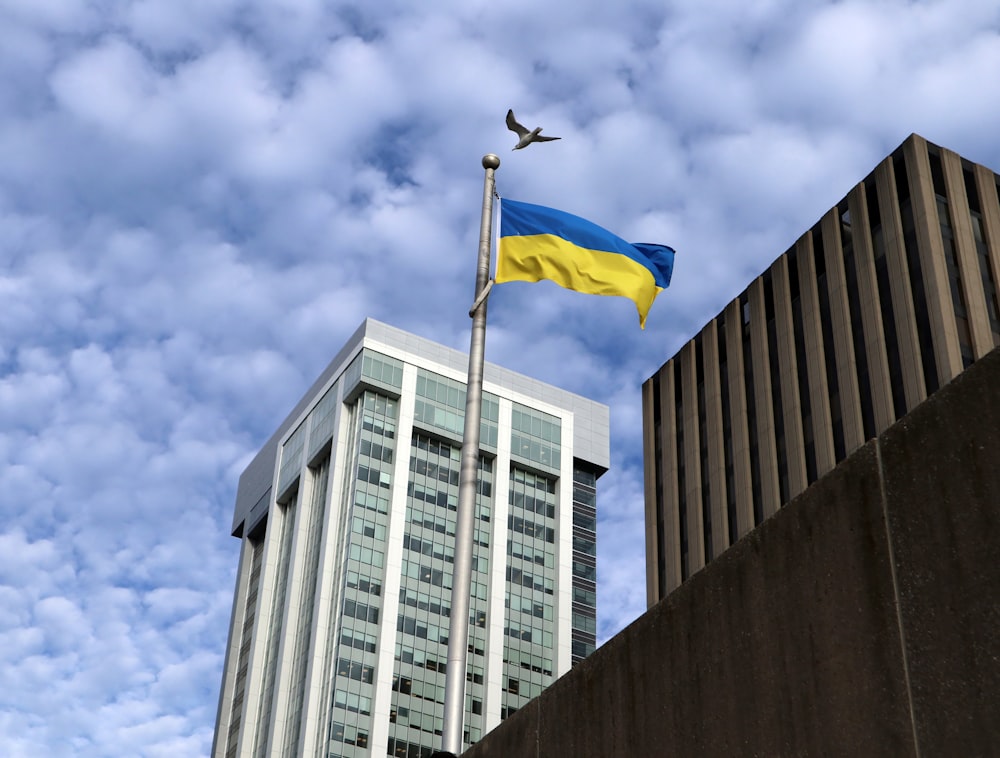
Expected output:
{"points": [[584, 520], [937, 171], [727, 434], [951, 258], [809, 446], [857, 324], [581, 650], [776, 401], [886, 308], [748, 382], [928, 362], [706, 503], [354, 609], [681, 481], [354, 670], [829, 352]]}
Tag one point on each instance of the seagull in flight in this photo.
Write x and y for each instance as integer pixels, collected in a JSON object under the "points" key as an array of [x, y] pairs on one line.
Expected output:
{"points": [[527, 136]]}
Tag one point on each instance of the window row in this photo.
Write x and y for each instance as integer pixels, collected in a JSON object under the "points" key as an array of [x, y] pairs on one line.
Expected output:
{"points": [[531, 529], [539, 583], [527, 660]]}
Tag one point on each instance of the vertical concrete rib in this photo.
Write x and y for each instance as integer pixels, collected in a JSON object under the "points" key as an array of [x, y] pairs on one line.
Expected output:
{"points": [[986, 184], [767, 453], [941, 310], [713, 433], [316, 702], [871, 310], [270, 718], [227, 692], [254, 718], [907, 338], [815, 360], [652, 489], [692, 460], [738, 412], [789, 379], [671, 491], [292, 611], [965, 249]]}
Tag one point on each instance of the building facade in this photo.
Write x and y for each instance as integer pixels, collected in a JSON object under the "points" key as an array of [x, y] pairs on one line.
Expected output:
{"points": [[888, 297], [338, 636]]}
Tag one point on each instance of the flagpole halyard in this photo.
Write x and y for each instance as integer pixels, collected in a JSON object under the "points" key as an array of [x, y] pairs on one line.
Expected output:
{"points": [[458, 630]]}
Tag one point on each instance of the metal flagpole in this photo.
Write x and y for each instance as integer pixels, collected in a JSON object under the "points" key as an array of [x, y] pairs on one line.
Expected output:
{"points": [[458, 629]]}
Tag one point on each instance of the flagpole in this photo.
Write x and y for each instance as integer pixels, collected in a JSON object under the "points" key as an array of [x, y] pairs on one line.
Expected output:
{"points": [[458, 630]]}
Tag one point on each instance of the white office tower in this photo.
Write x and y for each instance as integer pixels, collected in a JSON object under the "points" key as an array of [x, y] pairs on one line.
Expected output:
{"points": [[338, 639]]}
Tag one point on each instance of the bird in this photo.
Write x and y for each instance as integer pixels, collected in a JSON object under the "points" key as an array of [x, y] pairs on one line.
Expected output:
{"points": [[526, 136]]}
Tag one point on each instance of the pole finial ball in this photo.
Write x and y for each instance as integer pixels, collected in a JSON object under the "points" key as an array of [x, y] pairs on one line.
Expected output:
{"points": [[491, 161]]}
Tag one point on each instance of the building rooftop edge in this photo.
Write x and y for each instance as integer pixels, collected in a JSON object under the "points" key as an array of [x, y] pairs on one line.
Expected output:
{"points": [[377, 332]]}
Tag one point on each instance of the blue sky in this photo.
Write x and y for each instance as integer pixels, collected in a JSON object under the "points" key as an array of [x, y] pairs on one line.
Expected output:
{"points": [[200, 200]]}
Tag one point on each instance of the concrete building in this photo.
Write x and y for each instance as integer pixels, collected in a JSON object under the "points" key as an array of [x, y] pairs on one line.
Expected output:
{"points": [[338, 637], [892, 294]]}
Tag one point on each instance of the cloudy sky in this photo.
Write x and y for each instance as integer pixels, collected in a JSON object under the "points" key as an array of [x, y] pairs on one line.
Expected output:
{"points": [[200, 200]]}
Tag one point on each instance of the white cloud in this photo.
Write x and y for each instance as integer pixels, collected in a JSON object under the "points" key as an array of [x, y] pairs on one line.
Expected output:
{"points": [[50, 15], [180, 26]]}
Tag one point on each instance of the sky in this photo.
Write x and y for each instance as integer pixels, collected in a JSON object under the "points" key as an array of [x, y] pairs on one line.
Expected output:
{"points": [[201, 200]]}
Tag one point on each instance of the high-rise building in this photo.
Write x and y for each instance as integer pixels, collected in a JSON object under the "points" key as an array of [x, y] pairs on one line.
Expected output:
{"points": [[888, 297], [338, 638]]}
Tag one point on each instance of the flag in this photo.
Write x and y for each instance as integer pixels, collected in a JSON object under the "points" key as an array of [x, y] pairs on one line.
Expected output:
{"points": [[543, 243]]}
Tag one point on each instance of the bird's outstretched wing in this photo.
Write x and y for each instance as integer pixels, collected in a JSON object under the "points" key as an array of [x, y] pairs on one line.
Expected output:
{"points": [[542, 138], [514, 126]]}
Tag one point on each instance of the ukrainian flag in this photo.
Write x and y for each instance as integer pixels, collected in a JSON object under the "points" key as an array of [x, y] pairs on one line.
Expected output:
{"points": [[542, 243]]}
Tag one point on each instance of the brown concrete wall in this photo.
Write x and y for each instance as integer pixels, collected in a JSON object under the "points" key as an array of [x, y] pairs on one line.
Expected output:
{"points": [[861, 619]]}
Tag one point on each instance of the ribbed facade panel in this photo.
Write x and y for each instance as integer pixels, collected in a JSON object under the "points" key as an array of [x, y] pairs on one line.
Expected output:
{"points": [[887, 298]]}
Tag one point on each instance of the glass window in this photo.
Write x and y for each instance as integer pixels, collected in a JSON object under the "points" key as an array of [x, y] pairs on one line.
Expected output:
{"points": [[535, 436]]}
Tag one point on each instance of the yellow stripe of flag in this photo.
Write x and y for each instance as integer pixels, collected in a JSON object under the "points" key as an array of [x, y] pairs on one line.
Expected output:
{"points": [[542, 243]]}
